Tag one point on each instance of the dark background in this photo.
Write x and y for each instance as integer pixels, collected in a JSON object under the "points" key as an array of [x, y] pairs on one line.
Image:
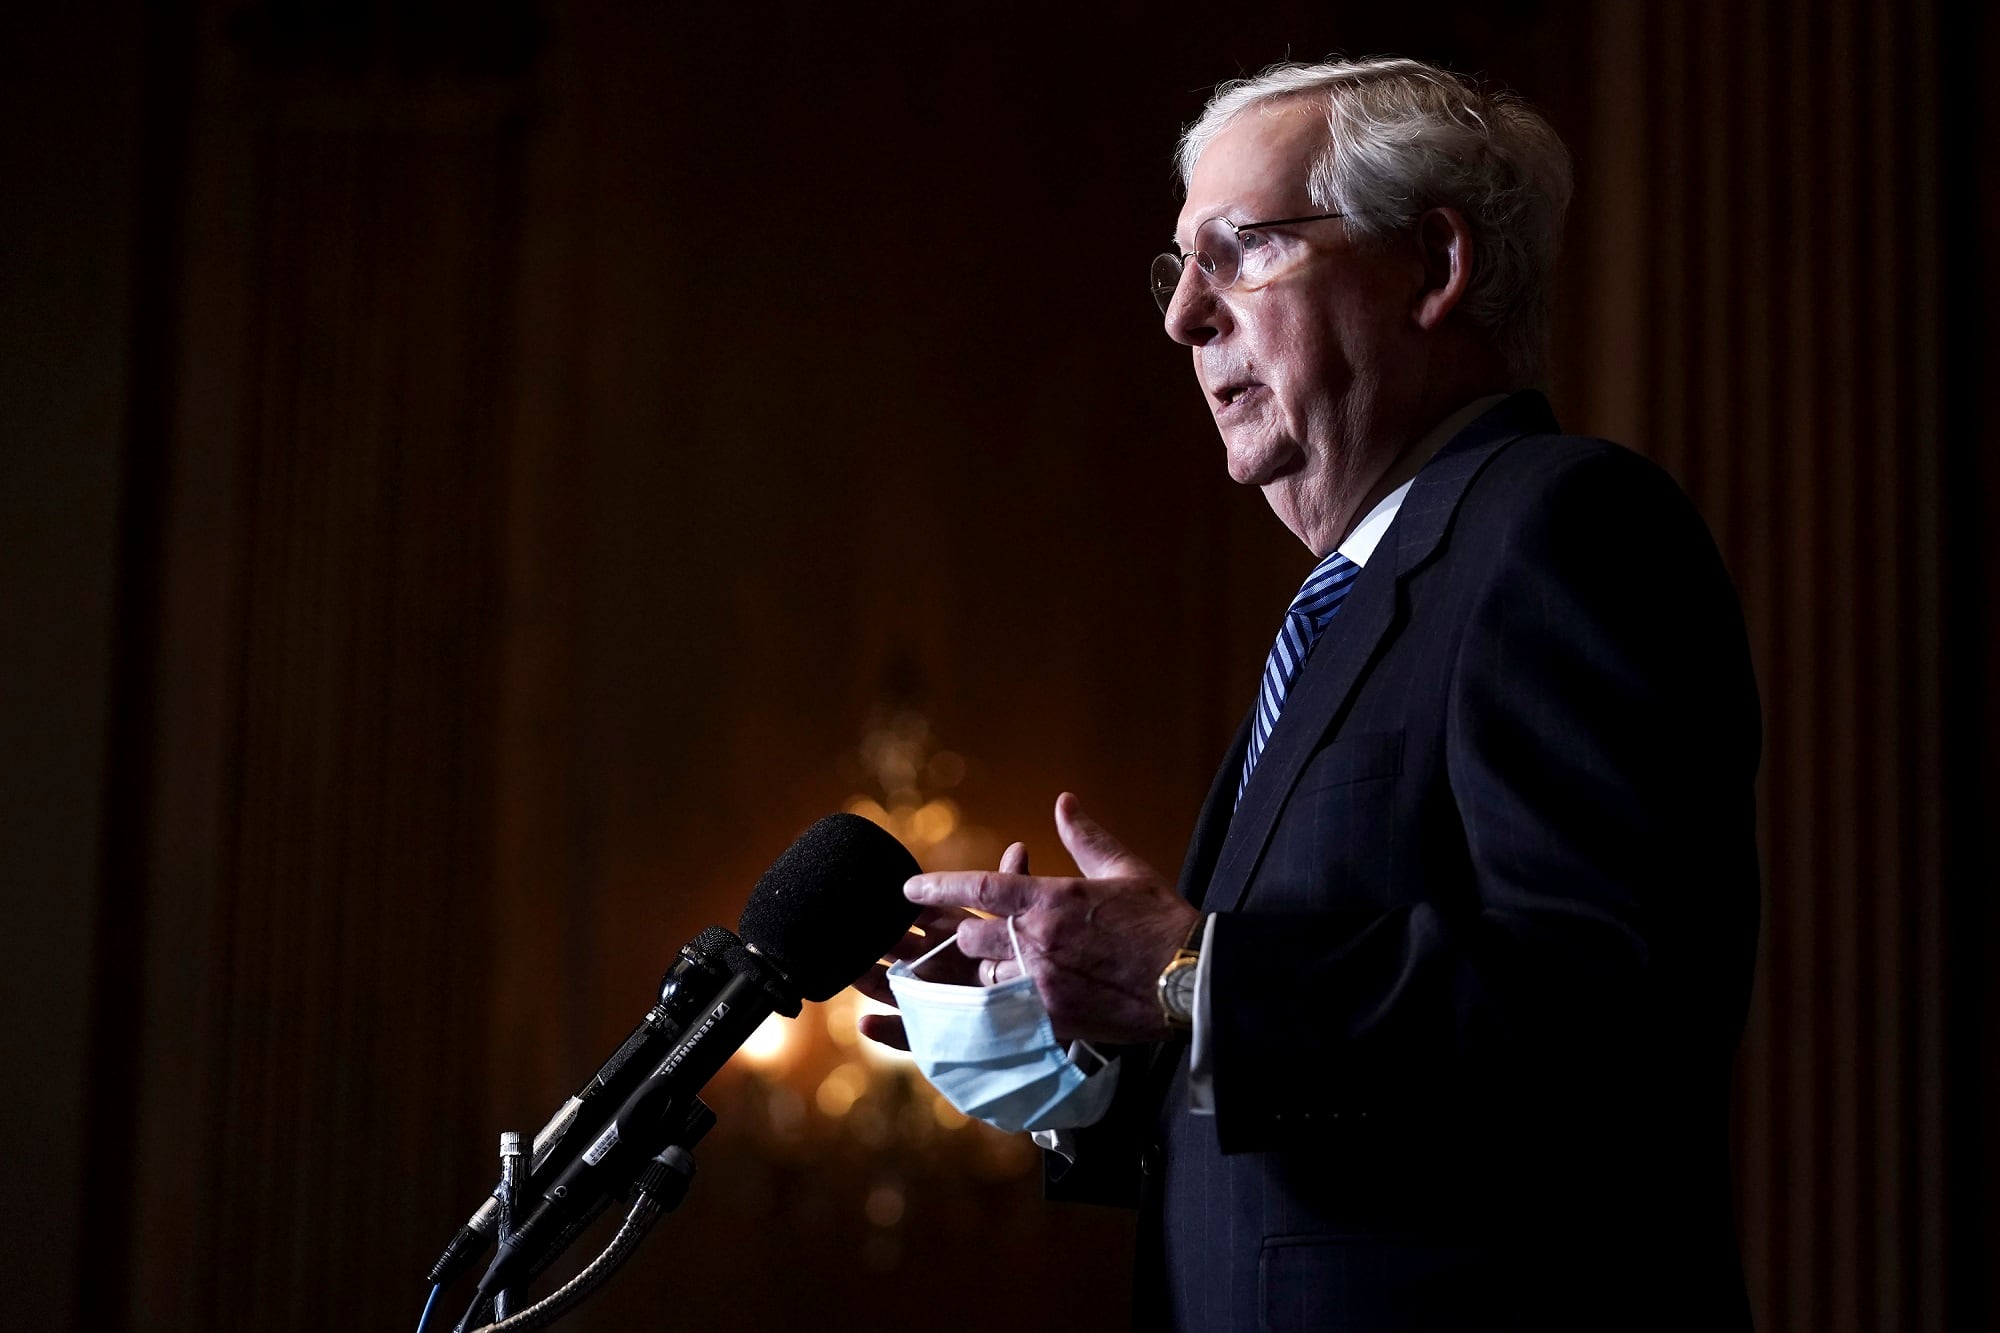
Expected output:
{"points": [[472, 474]]}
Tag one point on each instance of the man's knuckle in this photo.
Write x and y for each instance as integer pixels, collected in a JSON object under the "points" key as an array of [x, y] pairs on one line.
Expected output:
{"points": [[1068, 901], [998, 893]]}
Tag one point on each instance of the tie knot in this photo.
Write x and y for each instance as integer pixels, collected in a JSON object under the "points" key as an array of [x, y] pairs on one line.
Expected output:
{"points": [[1324, 589]]}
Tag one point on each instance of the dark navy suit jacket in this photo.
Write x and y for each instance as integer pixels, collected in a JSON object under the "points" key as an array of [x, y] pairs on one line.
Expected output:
{"points": [[1489, 908]]}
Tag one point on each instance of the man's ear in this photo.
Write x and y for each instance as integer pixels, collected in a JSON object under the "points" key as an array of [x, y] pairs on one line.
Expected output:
{"points": [[1445, 244]]}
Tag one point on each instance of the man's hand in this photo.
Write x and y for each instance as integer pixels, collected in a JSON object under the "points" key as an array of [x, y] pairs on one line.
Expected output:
{"points": [[951, 966], [1095, 946]]}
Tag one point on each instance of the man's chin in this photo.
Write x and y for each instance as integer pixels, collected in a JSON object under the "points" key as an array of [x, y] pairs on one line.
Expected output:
{"points": [[1261, 467]]}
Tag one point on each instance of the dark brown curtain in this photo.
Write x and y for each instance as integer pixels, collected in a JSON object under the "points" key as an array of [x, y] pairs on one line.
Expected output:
{"points": [[1780, 170]]}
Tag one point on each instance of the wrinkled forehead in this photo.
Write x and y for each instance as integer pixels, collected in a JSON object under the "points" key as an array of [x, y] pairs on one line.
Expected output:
{"points": [[1257, 167]]}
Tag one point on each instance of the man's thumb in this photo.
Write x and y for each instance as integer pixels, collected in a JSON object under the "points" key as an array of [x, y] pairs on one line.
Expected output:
{"points": [[1096, 852]]}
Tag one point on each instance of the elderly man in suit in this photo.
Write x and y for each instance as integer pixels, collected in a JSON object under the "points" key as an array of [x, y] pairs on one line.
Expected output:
{"points": [[1436, 1030]]}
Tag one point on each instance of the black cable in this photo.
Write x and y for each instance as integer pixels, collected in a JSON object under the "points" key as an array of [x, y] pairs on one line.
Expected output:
{"points": [[661, 1186]]}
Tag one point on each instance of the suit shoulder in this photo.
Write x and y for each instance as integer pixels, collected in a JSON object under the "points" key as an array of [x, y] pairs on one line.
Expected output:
{"points": [[1550, 478], [1547, 462]]}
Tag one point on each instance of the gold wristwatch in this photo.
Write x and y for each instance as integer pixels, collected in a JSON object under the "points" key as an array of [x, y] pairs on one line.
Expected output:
{"points": [[1177, 981]]}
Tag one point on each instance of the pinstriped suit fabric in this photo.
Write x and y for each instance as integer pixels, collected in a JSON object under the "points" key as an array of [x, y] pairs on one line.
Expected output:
{"points": [[1311, 611], [1487, 912]]}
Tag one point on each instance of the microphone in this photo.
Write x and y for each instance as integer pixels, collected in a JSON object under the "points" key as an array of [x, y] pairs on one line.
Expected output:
{"points": [[831, 906], [699, 971], [824, 912]]}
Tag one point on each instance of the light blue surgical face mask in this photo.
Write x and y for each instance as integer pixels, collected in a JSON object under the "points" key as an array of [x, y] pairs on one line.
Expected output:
{"points": [[992, 1051]]}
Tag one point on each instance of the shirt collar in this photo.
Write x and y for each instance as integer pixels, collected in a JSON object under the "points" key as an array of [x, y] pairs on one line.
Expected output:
{"points": [[1367, 534]]}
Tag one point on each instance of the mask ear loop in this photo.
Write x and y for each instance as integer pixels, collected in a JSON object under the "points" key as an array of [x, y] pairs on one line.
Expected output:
{"points": [[937, 949], [952, 938], [1014, 938]]}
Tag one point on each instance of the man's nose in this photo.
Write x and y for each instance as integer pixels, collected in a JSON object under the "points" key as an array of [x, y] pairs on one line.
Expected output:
{"points": [[1195, 316]]}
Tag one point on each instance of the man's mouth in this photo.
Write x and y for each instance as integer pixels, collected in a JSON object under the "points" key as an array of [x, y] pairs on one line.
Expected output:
{"points": [[1228, 395]]}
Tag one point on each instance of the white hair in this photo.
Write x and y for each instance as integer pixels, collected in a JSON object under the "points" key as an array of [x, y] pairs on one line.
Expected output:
{"points": [[1404, 137]]}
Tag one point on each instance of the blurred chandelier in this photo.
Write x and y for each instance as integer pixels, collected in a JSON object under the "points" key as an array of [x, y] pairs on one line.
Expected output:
{"points": [[817, 1096]]}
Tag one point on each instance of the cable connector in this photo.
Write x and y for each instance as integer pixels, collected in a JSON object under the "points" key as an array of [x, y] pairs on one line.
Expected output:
{"points": [[666, 1178], [464, 1248]]}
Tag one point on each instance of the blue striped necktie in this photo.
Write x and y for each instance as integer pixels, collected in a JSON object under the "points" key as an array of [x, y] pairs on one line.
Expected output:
{"points": [[1305, 620]]}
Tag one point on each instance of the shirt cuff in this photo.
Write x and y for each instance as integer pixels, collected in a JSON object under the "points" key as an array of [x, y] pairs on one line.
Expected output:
{"points": [[1201, 1062], [1061, 1141]]}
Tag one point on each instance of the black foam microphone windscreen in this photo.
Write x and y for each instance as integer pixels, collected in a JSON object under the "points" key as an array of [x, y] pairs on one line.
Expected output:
{"points": [[831, 905]]}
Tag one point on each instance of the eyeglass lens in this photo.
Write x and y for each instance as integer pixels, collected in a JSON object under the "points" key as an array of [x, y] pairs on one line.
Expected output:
{"points": [[1216, 251]]}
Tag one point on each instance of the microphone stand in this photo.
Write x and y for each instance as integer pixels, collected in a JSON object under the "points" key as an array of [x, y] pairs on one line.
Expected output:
{"points": [[510, 1209], [658, 1189]]}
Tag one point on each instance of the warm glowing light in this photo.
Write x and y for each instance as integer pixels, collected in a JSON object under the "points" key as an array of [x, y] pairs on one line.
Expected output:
{"points": [[874, 1052], [839, 1015], [933, 822], [869, 810], [768, 1045], [787, 1112], [947, 1115], [839, 1090]]}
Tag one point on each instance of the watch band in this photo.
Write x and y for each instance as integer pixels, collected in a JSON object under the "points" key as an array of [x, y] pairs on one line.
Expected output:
{"points": [[1192, 944], [1176, 984]]}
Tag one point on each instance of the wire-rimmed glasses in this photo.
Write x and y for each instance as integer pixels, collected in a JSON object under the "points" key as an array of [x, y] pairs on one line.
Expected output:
{"points": [[1218, 252]]}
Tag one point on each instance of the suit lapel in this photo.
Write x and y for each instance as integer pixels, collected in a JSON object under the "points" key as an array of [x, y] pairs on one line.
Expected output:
{"points": [[1320, 694], [1315, 700]]}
